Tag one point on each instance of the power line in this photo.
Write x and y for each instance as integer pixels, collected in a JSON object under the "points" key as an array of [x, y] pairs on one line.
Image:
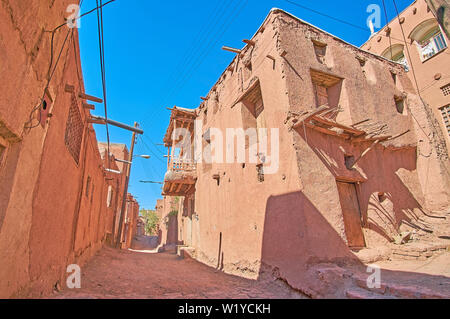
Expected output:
{"points": [[416, 82], [200, 57], [202, 35], [155, 146], [50, 77], [387, 24], [150, 150], [326, 15], [50, 73], [101, 44]]}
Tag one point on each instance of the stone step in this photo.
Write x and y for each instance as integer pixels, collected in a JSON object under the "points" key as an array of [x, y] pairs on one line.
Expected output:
{"points": [[418, 251], [399, 290], [414, 292], [361, 282], [360, 293]]}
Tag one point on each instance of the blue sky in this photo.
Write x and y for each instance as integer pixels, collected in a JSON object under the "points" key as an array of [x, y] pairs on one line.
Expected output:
{"points": [[164, 53]]}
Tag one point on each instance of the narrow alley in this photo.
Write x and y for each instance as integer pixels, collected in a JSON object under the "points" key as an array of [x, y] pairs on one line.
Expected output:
{"points": [[120, 274], [279, 155]]}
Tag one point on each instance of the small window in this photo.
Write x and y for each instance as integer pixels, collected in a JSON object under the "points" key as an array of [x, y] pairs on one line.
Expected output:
{"points": [[327, 88], [446, 90], [396, 54], [110, 196], [445, 111], [320, 49], [349, 161], [429, 39], [400, 105], [260, 169], [88, 186], [205, 117], [74, 130], [431, 44]]}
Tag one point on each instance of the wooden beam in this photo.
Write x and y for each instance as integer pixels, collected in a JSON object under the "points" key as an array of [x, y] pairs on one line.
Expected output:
{"points": [[335, 124], [309, 115], [361, 122], [95, 121], [238, 51], [326, 131], [85, 96], [69, 88], [249, 42], [370, 139], [88, 106], [204, 98]]}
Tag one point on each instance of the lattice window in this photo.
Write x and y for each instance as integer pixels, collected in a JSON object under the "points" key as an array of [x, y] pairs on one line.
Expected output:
{"points": [[74, 131], [445, 111], [446, 89]]}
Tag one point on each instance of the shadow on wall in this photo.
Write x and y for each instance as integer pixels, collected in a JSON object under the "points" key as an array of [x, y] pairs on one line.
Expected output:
{"points": [[172, 230], [302, 249], [396, 205], [296, 236], [7, 178]]}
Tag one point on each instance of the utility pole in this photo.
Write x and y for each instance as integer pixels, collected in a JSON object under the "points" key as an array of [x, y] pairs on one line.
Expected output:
{"points": [[125, 190]]}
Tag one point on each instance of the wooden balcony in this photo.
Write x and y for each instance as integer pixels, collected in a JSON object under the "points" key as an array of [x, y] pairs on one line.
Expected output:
{"points": [[180, 178]]}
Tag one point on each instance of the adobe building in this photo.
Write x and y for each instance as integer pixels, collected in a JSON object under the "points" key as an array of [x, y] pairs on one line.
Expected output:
{"points": [[353, 165], [168, 211], [53, 183], [425, 56], [116, 179], [140, 227], [130, 222]]}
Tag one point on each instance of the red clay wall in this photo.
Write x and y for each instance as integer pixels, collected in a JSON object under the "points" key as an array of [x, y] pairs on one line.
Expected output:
{"points": [[49, 216], [294, 218]]}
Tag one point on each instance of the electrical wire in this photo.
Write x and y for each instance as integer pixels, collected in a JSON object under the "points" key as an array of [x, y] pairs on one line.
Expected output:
{"points": [[416, 82], [49, 78], [50, 73], [150, 150], [387, 25], [101, 44], [216, 33], [201, 59]]}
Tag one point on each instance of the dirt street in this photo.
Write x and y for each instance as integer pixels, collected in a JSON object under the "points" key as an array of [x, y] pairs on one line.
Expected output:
{"points": [[118, 274]]}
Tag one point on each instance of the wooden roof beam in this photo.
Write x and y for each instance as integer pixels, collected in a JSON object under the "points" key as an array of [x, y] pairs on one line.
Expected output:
{"points": [[238, 51], [335, 124]]}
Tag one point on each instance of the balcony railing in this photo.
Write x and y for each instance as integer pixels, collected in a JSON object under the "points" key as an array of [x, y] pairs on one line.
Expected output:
{"points": [[177, 164]]}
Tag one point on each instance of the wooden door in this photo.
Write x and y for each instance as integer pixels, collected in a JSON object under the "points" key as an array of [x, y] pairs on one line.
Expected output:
{"points": [[321, 95], [351, 213]]}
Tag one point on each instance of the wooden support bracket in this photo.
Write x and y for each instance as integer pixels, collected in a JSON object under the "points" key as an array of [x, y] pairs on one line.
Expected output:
{"points": [[88, 106], [85, 96], [238, 51], [69, 88], [249, 42]]}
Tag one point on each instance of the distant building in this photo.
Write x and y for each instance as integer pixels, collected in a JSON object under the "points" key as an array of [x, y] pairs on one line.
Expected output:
{"points": [[425, 56]]}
